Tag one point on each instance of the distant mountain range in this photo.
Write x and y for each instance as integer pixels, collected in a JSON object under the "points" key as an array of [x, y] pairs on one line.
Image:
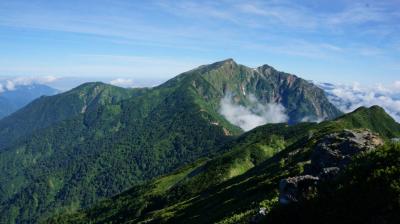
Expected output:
{"points": [[65, 152], [20, 96]]}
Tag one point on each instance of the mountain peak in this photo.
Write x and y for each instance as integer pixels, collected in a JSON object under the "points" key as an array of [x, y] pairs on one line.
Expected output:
{"points": [[92, 87], [372, 109], [374, 118], [91, 84], [265, 69], [226, 77], [377, 108], [226, 62], [266, 66], [229, 60]]}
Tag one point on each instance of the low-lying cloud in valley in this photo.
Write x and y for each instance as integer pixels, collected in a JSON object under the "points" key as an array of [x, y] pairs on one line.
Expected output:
{"points": [[252, 116], [349, 97]]}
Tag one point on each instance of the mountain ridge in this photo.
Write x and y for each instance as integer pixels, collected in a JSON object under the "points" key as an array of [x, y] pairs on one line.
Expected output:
{"points": [[300, 98], [49, 110], [113, 138], [21, 95]]}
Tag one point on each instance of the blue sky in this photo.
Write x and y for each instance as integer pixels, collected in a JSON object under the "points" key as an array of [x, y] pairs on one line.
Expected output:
{"points": [[334, 41]]}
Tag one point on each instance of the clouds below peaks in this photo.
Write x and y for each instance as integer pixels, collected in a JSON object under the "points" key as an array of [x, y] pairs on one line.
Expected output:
{"points": [[349, 97], [9, 84], [252, 116]]}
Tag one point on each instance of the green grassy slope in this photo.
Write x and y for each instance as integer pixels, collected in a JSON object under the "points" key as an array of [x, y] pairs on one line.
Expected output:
{"points": [[231, 187]]}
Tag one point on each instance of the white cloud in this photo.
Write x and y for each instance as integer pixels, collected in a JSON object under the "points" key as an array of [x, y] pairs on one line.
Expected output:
{"points": [[349, 97], [11, 83], [250, 117], [312, 119], [122, 82], [396, 85]]}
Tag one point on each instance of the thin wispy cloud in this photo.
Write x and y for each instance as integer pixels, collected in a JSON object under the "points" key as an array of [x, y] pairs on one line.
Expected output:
{"points": [[282, 14], [289, 32], [129, 65], [104, 65], [363, 12], [111, 19]]}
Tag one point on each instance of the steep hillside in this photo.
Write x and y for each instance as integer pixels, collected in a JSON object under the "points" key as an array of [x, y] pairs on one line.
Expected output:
{"points": [[65, 152], [12, 100], [302, 100], [237, 183], [49, 110]]}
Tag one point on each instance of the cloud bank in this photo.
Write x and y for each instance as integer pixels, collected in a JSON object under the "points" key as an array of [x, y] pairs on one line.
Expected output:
{"points": [[255, 115], [349, 97], [11, 83]]}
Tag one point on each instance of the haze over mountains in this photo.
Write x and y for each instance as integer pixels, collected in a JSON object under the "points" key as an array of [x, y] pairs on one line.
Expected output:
{"points": [[16, 97]]}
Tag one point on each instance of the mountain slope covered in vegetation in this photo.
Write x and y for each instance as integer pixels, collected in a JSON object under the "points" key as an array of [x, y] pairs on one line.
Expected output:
{"points": [[68, 151], [12, 100], [232, 187], [49, 110]]}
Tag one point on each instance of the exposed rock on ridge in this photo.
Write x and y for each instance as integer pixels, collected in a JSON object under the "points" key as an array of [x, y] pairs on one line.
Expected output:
{"points": [[330, 155]]}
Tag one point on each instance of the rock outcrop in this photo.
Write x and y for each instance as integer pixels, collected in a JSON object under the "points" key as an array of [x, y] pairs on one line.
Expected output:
{"points": [[337, 149], [294, 189], [331, 154]]}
